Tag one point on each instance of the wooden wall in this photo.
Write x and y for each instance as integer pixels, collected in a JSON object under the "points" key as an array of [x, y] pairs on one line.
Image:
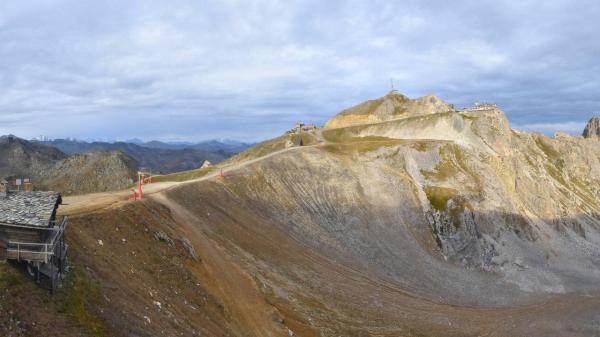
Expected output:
{"points": [[2, 251], [8, 233]]}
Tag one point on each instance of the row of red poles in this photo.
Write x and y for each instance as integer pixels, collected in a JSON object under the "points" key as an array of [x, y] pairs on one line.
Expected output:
{"points": [[139, 194]]}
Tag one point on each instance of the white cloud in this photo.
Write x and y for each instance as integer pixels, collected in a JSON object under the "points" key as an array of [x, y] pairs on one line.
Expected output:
{"points": [[220, 64]]}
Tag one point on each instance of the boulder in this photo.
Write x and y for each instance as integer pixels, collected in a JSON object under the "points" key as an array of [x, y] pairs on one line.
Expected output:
{"points": [[206, 164]]}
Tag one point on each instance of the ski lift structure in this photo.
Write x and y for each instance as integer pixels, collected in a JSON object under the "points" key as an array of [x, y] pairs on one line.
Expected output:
{"points": [[144, 178]]}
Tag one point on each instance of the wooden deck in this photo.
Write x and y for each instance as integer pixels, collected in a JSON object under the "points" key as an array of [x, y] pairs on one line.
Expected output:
{"points": [[47, 258], [39, 252]]}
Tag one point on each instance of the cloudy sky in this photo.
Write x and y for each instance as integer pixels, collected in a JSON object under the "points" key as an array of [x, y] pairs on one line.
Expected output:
{"points": [[247, 70]]}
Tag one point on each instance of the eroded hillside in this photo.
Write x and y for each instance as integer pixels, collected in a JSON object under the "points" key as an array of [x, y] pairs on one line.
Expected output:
{"points": [[437, 224]]}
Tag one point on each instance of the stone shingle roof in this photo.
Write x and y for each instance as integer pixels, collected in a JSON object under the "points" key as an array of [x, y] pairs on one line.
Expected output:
{"points": [[28, 208]]}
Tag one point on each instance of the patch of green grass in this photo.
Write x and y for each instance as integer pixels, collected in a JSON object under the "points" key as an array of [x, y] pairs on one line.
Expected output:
{"points": [[443, 170], [308, 138], [546, 147], [270, 146], [74, 300], [185, 175], [79, 294], [362, 145], [556, 173], [453, 161], [421, 146], [529, 161], [583, 191], [338, 135], [257, 151], [9, 278], [438, 196], [343, 134]]}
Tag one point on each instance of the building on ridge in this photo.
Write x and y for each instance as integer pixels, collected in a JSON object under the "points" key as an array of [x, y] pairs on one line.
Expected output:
{"points": [[32, 235]]}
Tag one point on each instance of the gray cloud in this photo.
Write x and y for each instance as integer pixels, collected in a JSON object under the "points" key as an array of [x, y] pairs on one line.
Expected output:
{"points": [[248, 69]]}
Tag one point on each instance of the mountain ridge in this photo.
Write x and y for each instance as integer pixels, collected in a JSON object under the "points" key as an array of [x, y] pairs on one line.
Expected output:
{"points": [[435, 224], [49, 168], [157, 156], [592, 129], [391, 106]]}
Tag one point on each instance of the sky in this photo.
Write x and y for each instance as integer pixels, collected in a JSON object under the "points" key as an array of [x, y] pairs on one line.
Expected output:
{"points": [[248, 70]]}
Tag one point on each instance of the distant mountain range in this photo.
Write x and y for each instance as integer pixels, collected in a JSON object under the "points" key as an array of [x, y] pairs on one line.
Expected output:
{"points": [[73, 167], [53, 169], [156, 156], [19, 157]]}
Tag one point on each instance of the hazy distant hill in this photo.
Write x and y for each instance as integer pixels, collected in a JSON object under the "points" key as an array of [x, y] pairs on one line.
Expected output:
{"points": [[158, 156], [74, 167], [20, 157], [52, 169], [88, 173], [209, 145]]}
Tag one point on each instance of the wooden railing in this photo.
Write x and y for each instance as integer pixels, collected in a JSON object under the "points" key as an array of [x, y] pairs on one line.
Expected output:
{"points": [[37, 252]]}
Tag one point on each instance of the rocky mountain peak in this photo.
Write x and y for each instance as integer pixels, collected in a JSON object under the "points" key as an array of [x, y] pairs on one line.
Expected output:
{"points": [[592, 129], [393, 105]]}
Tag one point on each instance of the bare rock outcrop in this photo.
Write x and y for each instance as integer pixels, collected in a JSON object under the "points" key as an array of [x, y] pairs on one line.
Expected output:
{"points": [[87, 173], [592, 129], [391, 106], [206, 164]]}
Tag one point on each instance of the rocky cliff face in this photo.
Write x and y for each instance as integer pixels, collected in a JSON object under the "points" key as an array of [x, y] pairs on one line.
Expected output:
{"points": [[592, 129], [392, 106], [497, 200]]}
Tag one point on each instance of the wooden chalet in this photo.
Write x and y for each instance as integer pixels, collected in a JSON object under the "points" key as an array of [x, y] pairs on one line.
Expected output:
{"points": [[31, 234]]}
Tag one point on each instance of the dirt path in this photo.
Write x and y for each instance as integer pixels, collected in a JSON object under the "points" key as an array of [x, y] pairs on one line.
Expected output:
{"points": [[227, 279], [80, 204]]}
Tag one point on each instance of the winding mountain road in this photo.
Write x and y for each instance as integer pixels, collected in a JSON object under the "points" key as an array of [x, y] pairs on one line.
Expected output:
{"points": [[86, 203]]}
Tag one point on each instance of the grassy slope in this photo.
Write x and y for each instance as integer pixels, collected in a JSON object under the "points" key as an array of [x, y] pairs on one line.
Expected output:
{"points": [[254, 152], [69, 312], [113, 289]]}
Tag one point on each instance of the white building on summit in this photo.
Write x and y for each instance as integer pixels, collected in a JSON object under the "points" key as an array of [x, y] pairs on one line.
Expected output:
{"points": [[482, 106], [302, 127]]}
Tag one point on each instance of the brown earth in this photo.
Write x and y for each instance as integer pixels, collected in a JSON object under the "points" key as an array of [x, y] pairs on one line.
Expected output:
{"points": [[447, 224]]}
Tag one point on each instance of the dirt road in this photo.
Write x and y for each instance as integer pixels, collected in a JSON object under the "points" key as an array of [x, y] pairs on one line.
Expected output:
{"points": [[80, 204]]}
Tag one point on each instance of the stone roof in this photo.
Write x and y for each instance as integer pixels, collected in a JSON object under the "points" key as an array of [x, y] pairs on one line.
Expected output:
{"points": [[28, 208]]}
